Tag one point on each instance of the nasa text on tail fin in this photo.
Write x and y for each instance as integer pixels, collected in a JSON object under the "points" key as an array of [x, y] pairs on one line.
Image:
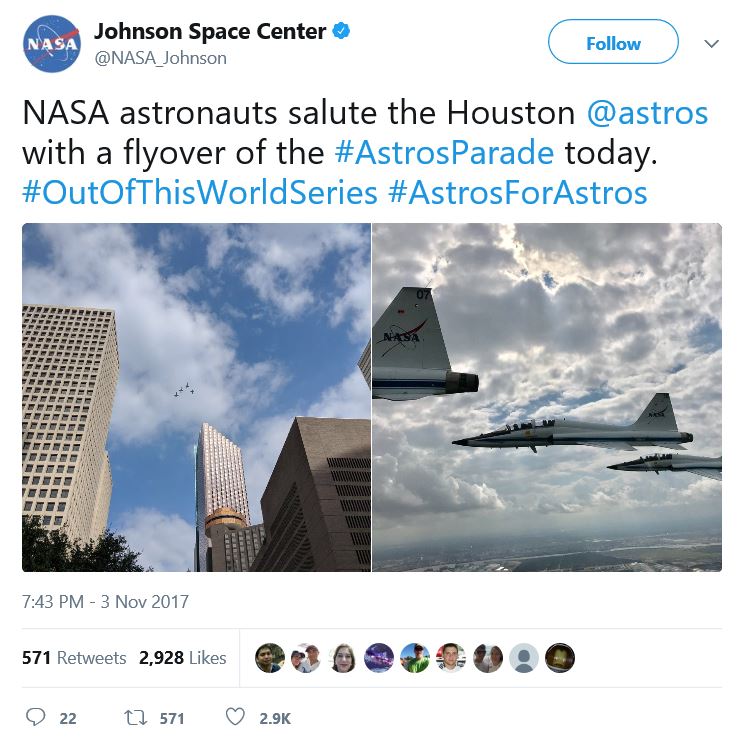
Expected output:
{"points": [[409, 358]]}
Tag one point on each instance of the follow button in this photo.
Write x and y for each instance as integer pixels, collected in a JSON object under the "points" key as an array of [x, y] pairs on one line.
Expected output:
{"points": [[613, 41]]}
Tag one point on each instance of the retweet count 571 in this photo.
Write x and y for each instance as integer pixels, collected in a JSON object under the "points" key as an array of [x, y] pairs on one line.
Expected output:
{"points": [[105, 601]]}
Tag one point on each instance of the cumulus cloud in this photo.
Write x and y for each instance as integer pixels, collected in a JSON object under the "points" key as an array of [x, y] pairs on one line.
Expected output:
{"points": [[166, 542], [281, 263]]}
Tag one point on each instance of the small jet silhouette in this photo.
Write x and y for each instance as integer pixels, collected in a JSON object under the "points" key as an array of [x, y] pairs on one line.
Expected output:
{"points": [[192, 392], [176, 395], [180, 390], [187, 385]]}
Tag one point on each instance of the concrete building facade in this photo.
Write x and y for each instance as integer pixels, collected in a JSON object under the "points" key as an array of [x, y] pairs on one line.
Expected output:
{"points": [[70, 370], [233, 546], [317, 504], [220, 484]]}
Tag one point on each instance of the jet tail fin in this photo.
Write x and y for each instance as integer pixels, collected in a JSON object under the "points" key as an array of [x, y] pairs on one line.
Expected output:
{"points": [[658, 414], [408, 333]]}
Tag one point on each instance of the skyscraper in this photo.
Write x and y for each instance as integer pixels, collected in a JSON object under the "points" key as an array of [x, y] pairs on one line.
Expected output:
{"points": [[220, 485], [317, 506], [69, 373]]}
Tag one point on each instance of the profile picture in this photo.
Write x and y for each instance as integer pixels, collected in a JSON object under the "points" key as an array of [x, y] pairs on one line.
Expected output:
{"points": [[524, 658], [488, 658], [451, 657], [310, 661], [343, 659], [379, 657], [415, 658], [298, 656], [269, 657], [560, 658]]}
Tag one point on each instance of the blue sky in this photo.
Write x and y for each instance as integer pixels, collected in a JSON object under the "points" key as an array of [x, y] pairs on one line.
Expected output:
{"points": [[266, 322]]}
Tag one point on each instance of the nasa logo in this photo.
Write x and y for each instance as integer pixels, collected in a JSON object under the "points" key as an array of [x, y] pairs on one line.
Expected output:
{"points": [[52, 44], [658, 414], [400, 337]]}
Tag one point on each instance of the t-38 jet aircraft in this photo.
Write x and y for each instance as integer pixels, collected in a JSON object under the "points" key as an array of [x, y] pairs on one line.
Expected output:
{"points": [[711, 468], [656, 426], [409, 359]]}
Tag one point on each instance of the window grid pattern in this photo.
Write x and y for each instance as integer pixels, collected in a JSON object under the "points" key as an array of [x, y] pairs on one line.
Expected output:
{"points": [[69, 373]]}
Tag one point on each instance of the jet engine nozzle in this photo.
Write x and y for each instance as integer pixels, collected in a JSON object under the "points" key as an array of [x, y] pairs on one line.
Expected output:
{"points": [[687, 436], [461, 382]]}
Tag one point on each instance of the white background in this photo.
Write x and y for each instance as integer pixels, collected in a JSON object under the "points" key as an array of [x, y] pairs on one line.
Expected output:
{"points": [[495, 54]]}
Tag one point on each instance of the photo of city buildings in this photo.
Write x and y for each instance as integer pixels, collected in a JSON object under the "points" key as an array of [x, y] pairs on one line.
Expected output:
{"points": [[191, 397]]}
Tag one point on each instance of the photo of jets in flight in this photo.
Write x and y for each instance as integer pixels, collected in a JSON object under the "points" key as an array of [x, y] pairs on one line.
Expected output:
{"points": [[409, 359], [711, 468], [656, 426]]}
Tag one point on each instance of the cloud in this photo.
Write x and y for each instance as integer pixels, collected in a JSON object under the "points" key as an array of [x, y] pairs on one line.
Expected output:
{"points": [[346, 400], [166, 542], [282, 262]]}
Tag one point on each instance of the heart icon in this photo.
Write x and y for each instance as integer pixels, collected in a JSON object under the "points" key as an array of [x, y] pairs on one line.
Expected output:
{"points": [[235, 715]]}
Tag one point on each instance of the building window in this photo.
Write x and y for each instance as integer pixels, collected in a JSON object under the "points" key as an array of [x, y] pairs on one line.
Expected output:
{"points": [[61, 506], [58, 520], [27, 506], [46, 520]]}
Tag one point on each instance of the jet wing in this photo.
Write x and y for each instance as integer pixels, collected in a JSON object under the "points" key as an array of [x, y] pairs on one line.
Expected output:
{"points": [[709, 473], [611, 445]]}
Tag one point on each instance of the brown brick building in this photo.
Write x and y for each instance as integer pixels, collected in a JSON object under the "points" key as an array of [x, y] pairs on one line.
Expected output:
{"points": [[317, 506]]}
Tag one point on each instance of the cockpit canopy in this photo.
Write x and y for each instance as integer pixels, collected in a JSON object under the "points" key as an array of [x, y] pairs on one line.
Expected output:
{"points": [[507, 429]]}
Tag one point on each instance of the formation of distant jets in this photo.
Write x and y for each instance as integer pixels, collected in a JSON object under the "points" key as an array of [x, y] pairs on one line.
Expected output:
{"points": [[410, 361], [180, 390]]}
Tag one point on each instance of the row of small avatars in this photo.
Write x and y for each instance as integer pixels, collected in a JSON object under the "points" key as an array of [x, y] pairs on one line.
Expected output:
{"points": [[415, 658]]}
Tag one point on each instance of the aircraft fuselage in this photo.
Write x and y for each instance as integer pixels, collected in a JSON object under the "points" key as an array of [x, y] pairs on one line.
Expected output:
{"points": [[409, 384], [576, 433], [676, 463]]}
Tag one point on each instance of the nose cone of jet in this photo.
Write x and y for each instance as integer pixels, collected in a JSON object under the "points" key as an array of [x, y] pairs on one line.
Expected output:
{"points": [[617, 467], [463, 442]]}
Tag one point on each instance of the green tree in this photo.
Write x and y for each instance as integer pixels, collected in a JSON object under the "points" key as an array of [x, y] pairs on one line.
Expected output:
{"points": [[53, 551]]}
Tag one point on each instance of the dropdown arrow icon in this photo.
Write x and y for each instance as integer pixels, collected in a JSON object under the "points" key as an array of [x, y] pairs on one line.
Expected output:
{"points": [[711, 44]]}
